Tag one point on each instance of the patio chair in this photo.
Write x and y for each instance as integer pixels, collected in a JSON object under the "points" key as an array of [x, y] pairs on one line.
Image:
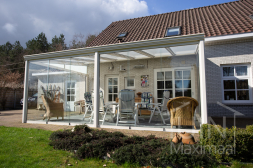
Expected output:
{"points": [[88, 103], [52, 109], [160, 107], [126, 107], [81, 104], [103, 109], [182, 111]]}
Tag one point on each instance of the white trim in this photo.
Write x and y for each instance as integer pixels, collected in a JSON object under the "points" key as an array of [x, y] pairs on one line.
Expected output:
{"points": [[96, 89], [202, 78], [248, 77], [228, 37], [25, 97]]}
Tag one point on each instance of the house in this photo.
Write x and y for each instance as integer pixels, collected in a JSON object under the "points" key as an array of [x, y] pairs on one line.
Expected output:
{"points": [[205, 53]]}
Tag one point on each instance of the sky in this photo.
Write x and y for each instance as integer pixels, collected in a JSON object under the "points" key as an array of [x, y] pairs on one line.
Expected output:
{"points": [[24, 20]]}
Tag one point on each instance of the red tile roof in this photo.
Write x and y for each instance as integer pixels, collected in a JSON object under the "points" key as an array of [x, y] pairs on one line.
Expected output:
{"points": [[215, 20]]}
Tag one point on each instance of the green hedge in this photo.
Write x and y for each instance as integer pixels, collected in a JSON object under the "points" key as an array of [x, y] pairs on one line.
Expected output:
{"points": [[226, 144]]}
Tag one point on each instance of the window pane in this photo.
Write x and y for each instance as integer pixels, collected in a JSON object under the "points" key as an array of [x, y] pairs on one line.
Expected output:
{"points": [[241, 70], [72, 91], [68, 85], [159, 100], [160, 84], [115, 81], [73, 84], [228, 71], [68, 91], [115, 96], [229, 84], [109, 81], [72, 98], [110, 97], [160, 75], [110, 89], [229, 95], [187, 83], [187, 74], [242, 84], [243, 95], [178, 74], [115, 89], [178, 84], [130, 82], [179, 93], [188, 93], [68, 98], [168, 75], [160, 93], [168, 84]]}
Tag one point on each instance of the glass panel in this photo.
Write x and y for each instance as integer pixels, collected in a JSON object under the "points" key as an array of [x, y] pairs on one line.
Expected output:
{"points": [[73, 84], [229, 84], [115, 96], [186, 74], [110, 97], [160, 84], [178, 84], [168, 84], [115, 89], [172, 31], [229, 95], [179, 93], [243, 95], [188, 92], [115, 81], [130, 82], [242, 84], [159, 100], [228, 71], [160, 93], [178, 74], [72, 91], [109, 81], [187, 83], [72, 98], [241, 70], [68, 84], [160, 75], [184, 50], [68, 98], [110, 89], [168, 75], [68, 91]]}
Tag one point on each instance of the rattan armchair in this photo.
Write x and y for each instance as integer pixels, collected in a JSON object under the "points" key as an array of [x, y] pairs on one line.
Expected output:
{"points": [[182, 111]]}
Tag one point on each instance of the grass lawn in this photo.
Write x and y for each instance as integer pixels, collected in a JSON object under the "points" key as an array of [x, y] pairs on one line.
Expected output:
{"points": [[28, 147]]}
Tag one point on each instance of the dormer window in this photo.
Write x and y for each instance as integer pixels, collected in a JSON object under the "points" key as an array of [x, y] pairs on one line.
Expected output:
{"points": [[121, 35], [173, 31]]}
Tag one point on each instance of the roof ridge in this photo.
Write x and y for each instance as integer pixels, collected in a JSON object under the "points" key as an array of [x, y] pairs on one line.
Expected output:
{"points": [[180, 10]]}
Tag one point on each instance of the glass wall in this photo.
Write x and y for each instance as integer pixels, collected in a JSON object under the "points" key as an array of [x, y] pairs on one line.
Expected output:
{"points": [[56, 89]]}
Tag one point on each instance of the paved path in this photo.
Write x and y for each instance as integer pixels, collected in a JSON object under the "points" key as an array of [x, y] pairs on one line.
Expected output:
{"points": [[13, 118]]}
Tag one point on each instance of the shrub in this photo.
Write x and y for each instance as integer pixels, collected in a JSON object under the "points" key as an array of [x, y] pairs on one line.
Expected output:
{"points": [[236, 144], [82, 129], [61, 135]]}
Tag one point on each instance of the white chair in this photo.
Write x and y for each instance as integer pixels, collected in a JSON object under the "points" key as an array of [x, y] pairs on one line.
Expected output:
{"points": [[161, 107], [126, 107], [88, 103], [103, 109]]}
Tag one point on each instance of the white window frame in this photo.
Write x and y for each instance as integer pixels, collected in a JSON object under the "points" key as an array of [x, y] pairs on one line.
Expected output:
{"points": [[248, 77], [192, 69], [106, 98], [129, 87]]}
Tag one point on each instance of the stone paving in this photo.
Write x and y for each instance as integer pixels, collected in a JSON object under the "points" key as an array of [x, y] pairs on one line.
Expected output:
{"points": [[13, 118]]}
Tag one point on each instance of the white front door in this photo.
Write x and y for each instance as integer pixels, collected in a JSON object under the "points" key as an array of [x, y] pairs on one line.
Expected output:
{"points": [[70, 95]]}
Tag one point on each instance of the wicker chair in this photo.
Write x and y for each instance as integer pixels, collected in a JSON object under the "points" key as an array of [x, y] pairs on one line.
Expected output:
{"points": [[182, 111], [52, 109]]}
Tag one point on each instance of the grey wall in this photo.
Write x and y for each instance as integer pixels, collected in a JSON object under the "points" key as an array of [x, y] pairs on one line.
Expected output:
{"points": [[221, 54]]}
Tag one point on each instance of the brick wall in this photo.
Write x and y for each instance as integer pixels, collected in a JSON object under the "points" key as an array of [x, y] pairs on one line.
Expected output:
{"points": [[216, 56]]}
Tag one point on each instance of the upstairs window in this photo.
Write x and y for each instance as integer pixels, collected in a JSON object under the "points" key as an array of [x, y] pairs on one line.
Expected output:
{"points": [[173, 31], [236, 83], [121, 35]]}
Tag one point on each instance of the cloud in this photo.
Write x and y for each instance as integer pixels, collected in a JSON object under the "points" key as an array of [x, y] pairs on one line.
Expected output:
{"points": [[10, 28], [32, 17]]}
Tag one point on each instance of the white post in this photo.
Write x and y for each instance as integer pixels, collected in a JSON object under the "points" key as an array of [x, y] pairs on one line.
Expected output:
{"points": [[25, 95], [96, 89], [202, 76]]}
